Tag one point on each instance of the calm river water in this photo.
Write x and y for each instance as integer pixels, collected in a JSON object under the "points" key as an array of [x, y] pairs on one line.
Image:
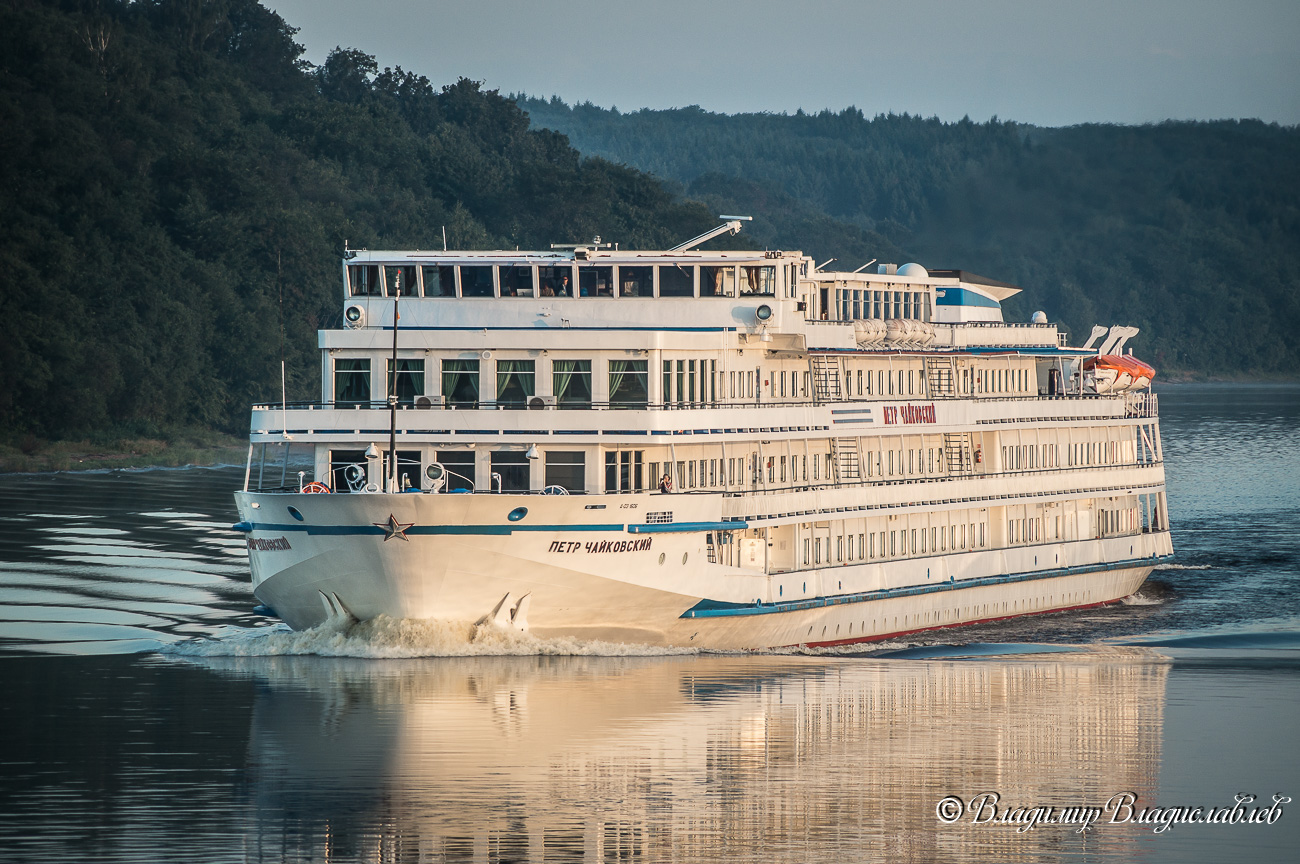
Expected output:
{"points": [[149, 715]]}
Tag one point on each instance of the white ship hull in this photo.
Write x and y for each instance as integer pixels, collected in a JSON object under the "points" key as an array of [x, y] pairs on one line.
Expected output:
{"points": [[600, 581]]}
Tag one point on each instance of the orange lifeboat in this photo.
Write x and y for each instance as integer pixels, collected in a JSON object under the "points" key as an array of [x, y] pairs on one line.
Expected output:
{"points": [[1118, 373]]}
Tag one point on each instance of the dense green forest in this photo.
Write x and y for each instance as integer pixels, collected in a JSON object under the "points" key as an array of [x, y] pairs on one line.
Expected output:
{"points": [[1190, 231], [179, 184]]}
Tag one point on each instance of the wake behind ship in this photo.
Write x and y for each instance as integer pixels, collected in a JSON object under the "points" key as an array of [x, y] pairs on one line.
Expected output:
{"points": [[708, 449]]}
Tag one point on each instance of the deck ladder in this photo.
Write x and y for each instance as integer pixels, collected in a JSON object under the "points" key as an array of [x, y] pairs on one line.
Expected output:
{"points": [[826, 378], [940, 377], [956, 447], [844, 453]]}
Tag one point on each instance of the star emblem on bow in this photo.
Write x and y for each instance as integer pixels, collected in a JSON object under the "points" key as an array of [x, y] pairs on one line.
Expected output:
{"points": [[394, 528]]}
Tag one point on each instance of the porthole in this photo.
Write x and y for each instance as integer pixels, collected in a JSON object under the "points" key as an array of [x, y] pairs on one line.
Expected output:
{"points": [[684, 555], [517, 514], [293, 511], [662, 557]]}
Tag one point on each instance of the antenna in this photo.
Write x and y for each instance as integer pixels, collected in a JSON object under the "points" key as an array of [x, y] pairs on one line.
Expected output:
{"points": [[732, 225], [823, 264], [863, 267], [444, 238], [284, 392]]}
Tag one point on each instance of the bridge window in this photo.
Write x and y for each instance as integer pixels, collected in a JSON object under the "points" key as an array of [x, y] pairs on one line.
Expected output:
{"points": [[351, 382], [556, 281], [717, 281], [363, 280], [517, 281], [636, 281], [676, 281], [571, 383], [460, 383], [399, 281], [758, 280], [439, 281], [628, 384], [596, 281], [476, 282]]}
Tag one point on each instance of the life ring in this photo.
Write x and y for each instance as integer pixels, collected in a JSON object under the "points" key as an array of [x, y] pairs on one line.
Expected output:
{"points": [[316, 487], [979, 456]]}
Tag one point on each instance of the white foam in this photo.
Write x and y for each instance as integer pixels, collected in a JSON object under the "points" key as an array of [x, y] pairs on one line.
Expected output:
{"points": [[1183, 567], [384, 637], [1139, 600]]}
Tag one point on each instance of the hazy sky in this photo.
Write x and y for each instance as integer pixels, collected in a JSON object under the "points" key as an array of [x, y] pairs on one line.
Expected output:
{"points": [[1036, 61]]}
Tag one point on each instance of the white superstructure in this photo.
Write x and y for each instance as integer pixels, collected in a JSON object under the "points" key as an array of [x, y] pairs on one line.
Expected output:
{"points": [[851, 455]]}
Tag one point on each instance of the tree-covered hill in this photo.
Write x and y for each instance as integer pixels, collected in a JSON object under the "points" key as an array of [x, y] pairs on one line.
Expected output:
{"points": [[1190, 231], [177, 182]]}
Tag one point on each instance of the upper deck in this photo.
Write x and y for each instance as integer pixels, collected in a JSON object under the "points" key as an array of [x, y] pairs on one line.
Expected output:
{"points": [[777, 297]]}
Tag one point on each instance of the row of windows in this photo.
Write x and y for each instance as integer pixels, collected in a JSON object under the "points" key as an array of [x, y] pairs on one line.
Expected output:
{"points": [[858, 304], [516, 382], [533, 280], [508, 471], [871, 546], [1005, 381]]}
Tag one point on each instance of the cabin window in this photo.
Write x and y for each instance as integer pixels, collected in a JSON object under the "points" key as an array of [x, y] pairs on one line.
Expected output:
{"points": [[363, 280], [676, 281], [351, 382], [625, 471], [348, 470], [567, 470], [409, 474], [517, 281], [410, 380], [515, 383], [628, 383], [460, 383], [571, 383], [636, 281], [476, 282], [460, 469], [717, 281], [758, 280], [596, 281], [510, 469], [556, 281], [439, 281], [399, 281]]}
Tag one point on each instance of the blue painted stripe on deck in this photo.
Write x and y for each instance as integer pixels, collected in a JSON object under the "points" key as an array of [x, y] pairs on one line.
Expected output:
{"points": [[964, 297], [722, 608], [686, 527]]}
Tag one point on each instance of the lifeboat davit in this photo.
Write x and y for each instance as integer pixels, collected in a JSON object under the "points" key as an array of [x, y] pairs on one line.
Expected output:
{"points": [[1118, 373]]}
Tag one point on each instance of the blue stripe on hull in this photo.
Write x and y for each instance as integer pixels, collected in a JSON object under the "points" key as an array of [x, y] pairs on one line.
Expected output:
{"points": [[723, 609]]}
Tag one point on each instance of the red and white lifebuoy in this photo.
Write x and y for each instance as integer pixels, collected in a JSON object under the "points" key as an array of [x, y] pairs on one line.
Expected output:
{"points": [[316, 487]]}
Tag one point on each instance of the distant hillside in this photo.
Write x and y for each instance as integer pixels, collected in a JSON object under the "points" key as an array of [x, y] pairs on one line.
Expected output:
{"points": [[1190, 231], [178, 183]]}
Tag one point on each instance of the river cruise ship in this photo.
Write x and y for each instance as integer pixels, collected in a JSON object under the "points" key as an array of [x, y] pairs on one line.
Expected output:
{"points": [[724, 450]]}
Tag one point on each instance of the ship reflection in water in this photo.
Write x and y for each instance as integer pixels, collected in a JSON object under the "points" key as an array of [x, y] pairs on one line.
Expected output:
{"points": [[699, 758]]}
